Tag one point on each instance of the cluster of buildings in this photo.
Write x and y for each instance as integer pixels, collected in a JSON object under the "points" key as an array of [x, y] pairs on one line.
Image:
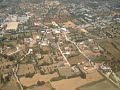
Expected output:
{"points": [[47, 48]]}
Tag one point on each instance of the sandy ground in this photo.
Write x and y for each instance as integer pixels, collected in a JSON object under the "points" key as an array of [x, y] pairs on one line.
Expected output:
{"points": [[73, 25], [66, 84], [77, 59], [90, 53], [72, 84], [37, 77]]}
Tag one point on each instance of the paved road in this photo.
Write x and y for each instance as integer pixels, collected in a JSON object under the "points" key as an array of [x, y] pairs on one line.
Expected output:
{"points": [[25, 55], [63, 55], [15, 51]]}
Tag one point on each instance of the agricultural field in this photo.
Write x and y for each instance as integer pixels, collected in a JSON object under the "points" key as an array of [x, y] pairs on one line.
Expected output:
{"points": [[111, 47]]}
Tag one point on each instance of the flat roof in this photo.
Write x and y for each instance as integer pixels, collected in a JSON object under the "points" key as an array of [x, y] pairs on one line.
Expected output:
{"points": [[12, 25]]}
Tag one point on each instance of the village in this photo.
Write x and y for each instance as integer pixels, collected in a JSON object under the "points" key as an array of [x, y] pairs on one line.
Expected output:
{"points": [[40, 50]]}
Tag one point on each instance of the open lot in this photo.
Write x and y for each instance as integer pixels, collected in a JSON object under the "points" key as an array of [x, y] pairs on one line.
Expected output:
{"points": [[12, 85], [90, 53], [77, 59], [70, 24], [73, 83], [37, 77]]}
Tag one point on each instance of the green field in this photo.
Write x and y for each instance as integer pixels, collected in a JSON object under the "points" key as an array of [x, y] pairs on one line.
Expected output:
{"points": [[101, 85], [111, 47]]}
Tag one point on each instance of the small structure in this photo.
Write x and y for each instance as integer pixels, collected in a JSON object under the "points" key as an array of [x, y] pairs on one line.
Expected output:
{"points": [[23, 19], [38, 56]]}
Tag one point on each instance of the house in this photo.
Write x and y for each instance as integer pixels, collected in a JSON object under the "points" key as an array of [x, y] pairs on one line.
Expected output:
{"points": [[12, 18], [45, 43], [56, 31], [55, 24], [38, 56], [29, 42], [23, 19]]}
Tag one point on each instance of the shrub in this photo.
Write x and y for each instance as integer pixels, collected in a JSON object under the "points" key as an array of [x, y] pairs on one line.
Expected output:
{"points": [[56, 79], [40, 83]]}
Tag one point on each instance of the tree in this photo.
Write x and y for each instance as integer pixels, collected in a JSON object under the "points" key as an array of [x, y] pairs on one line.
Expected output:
{"points": [[5, 56], [11, 58], [40, 83], [7, 78]]}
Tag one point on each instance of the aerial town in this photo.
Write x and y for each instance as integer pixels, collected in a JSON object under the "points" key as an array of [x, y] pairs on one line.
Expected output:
{"points": [[59, 44]]}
